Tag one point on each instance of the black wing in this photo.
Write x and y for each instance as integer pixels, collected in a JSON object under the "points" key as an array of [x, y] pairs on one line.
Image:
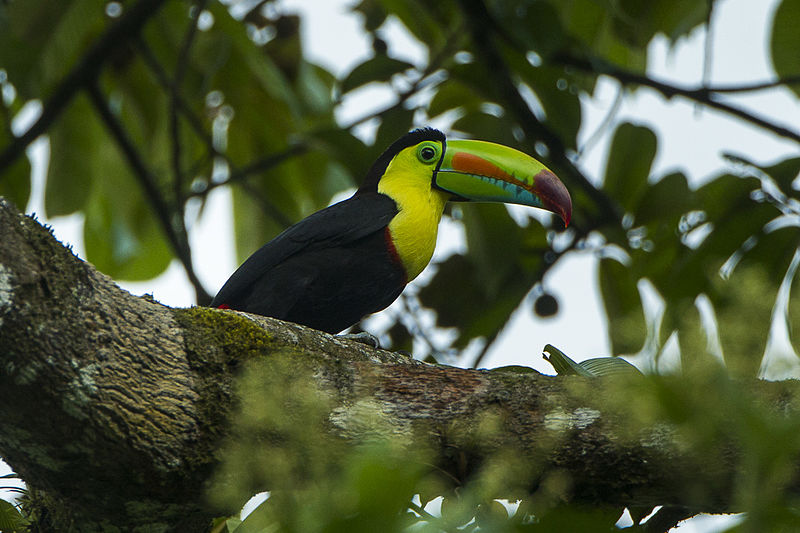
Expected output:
{"points": [[347, 221]]}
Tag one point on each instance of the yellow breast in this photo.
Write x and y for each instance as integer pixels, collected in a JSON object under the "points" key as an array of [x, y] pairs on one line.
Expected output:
{"points": [[416, 224]]}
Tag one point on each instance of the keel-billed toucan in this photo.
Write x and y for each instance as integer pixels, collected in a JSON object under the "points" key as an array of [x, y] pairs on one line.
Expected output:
{"points": [[355, 257]]}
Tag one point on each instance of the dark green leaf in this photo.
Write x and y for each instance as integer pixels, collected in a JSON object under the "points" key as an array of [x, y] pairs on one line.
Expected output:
{"points": [[481, 125], [75, 139], [785, 40], [784, 173], [40, 41], [631, 155], [377, 69], [666, 199], [450, 291], [11, 521], [515, 369], [15, 181], [394, 124], [535, 25], [626, 324], [744, 313], [121, 235], [493, 241], [557, 93], [401, 338], [454, 95], [427, 21], [259, 520], [346, 148]]}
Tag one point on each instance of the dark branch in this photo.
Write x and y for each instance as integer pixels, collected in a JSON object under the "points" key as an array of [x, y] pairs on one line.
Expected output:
{"points": [[83, 73], [702, 95]]}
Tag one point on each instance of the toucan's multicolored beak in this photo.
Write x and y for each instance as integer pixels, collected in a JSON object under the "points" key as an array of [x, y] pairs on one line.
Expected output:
{"points": [[487, 172]]}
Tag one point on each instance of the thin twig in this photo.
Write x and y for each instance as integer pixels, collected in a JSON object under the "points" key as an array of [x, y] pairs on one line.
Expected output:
{"points": [[752, 87], [172, 225], [82, 74]]}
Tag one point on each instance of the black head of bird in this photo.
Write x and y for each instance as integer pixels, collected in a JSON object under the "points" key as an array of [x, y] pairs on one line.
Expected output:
{"points": [[355, 257]]}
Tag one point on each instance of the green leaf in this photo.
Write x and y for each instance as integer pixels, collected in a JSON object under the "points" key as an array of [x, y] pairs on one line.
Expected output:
{"points": [[630, 158], [427, 21], [454, 95], [75, 139], [11, 521], [627, 328], [515, 369], [792, 315], [494, 244], [15, 181], [556, 91], [784, 173], [259, 520], [743, 307], [347, 149], [87, 172], [121, 234], [785, 41], [40, 41], [377, 69], [481, 125], [666, 199], [394, 124], [533, 24], [450, 291]]}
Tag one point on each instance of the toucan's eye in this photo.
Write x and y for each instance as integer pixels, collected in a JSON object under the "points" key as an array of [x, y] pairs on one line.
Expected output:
{"points": [[427, 154]]}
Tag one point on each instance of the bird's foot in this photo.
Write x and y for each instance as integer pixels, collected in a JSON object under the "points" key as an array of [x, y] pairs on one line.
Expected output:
{"points": [[363, 337]]}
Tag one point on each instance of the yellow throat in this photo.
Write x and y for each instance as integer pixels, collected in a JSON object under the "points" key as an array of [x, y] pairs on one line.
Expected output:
{"points": [[414, 228]]}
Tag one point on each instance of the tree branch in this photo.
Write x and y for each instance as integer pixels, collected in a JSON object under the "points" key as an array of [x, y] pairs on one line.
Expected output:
{"points": [[117, 406], [83, 73], [702, 95]]}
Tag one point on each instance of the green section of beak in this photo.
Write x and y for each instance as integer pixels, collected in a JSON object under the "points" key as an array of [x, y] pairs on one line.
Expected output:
{"points": [[487, 172]]}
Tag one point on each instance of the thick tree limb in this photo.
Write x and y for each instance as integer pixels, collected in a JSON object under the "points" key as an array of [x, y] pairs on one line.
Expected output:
{"points": [[116, 405]]}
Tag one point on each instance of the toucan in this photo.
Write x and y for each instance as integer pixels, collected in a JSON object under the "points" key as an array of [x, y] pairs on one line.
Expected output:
{"points": [[355, 257]]}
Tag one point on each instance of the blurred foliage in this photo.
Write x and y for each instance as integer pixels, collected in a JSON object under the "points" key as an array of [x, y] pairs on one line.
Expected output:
{"points": [[223, 94], [281, 440]]}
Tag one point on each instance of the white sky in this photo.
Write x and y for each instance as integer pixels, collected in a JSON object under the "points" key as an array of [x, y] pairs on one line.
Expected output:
{"points": [[690, 139]]}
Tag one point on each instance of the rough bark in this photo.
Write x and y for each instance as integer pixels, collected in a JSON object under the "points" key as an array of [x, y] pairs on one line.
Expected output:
{"points": [[116, 405]]}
